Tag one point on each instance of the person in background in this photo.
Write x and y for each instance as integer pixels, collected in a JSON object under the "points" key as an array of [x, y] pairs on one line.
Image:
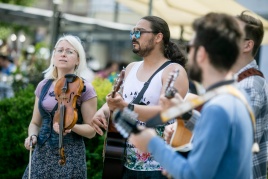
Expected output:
{"points": [[223, 135], [151, 41], [7, 65], [68, 57], [109, 72], [252, 81], [1, 62]]}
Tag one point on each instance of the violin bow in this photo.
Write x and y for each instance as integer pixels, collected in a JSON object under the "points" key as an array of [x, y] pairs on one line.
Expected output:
{"points": [[30, 157]]}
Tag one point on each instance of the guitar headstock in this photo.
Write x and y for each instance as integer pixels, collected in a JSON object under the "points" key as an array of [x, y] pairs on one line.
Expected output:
{"points": [[118, 82], [125, 122], [170, 90]]}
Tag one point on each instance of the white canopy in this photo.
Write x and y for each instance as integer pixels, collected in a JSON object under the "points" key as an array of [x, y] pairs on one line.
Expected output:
{"points": [[180, 14]]}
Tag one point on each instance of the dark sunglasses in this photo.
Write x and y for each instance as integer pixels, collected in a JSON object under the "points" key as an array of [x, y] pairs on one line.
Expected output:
{"points": [[137, 33]]}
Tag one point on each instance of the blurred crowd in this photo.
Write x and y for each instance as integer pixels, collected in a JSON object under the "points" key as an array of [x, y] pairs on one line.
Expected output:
{"points": [[111, 70], [7, 67]]}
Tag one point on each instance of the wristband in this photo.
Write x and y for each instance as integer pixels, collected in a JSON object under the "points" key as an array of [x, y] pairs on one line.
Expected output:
{"points": [[34, 135], [131, 106]]}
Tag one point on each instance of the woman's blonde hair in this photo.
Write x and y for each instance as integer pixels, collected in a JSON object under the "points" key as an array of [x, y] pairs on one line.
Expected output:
{"points": [[81, 70]]}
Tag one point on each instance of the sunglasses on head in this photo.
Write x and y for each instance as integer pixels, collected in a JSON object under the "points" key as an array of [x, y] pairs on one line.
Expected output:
{"points": [[137, 33]]}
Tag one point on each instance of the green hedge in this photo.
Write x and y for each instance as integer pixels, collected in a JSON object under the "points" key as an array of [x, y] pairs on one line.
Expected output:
{"points": [[15, 115], [95, 146]]}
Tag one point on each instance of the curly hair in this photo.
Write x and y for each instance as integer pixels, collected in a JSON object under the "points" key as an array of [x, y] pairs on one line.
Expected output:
{"points": [[170, 49]]}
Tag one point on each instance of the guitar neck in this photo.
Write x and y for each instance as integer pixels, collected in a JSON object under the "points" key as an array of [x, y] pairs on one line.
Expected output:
{"points": [[113, 94], [111, 127]]}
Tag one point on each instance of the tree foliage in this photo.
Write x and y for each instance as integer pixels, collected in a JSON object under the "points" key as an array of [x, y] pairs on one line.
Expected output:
{"points": [[18, 2], [7, 28]]}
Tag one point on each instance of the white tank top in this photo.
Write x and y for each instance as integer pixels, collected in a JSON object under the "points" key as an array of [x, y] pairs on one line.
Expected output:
{"points": [[136, 160], [132, 86]]}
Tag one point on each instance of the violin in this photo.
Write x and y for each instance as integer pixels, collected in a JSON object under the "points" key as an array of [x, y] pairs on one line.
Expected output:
{"points": [[67, 90]]}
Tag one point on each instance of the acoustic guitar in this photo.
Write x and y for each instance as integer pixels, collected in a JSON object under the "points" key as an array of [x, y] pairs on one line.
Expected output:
{"points": [[125, 120], [182, 136], [114, 143]]}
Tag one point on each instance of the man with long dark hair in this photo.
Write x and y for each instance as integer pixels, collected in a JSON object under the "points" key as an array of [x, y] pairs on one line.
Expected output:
{"points": [[151, 40]]}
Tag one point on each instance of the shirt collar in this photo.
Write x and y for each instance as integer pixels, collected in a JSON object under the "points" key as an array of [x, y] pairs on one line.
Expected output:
{"points": [[252, 64], [221, 83]]}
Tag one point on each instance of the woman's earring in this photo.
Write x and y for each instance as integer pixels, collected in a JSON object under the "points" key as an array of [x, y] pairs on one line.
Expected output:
{"points": [[75, 69]]}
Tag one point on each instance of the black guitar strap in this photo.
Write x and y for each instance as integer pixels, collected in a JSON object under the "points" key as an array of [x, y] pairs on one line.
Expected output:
{"points": [[146, 84]]}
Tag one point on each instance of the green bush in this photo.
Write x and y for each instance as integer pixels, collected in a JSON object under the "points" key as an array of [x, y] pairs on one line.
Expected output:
{"points": [[15, 115]]}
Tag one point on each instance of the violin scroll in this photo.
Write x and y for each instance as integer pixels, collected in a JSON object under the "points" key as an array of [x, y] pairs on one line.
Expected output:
{"points": [[62, 160]]}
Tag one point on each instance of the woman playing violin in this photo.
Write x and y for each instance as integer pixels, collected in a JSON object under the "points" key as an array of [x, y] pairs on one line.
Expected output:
{"points": [[68, 57]]}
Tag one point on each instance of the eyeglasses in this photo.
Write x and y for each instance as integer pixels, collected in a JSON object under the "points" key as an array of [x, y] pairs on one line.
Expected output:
{"points": [[137, 33], [67, 51]]}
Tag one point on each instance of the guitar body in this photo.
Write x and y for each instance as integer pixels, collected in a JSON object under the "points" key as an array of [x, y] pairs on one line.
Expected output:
{"points": [[114, 144], [113, 163], [181, 137]]}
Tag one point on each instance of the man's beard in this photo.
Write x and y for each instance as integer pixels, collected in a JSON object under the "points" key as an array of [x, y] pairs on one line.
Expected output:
{"points": [[143, 52], [195, 72]]}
